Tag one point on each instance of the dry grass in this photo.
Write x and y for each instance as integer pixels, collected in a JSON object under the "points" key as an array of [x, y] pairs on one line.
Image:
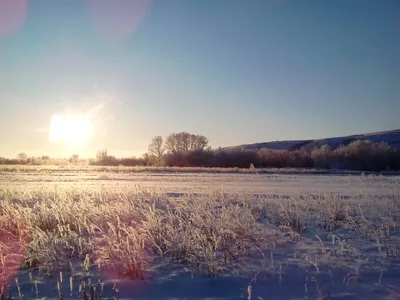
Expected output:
{"points": [[134, 232]]}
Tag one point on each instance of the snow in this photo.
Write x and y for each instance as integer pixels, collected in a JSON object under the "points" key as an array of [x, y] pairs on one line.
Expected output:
{"points": [[315, 264]]}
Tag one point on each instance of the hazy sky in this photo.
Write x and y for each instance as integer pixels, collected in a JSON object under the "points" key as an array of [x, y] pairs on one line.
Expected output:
{"points": [[235, 71]]}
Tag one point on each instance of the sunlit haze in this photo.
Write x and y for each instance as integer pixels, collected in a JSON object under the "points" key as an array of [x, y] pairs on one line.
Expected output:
{"points": [[79, 76]]}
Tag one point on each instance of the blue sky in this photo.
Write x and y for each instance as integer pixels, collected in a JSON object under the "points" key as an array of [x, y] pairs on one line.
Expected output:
{"points": [[235, 71]]}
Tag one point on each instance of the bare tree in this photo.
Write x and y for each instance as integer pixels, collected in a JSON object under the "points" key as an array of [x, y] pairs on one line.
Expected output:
{"points": [[156, 150], [171, 144], [185, 142], [198, 142], [22, 156], [74, 159], [102, 154]]}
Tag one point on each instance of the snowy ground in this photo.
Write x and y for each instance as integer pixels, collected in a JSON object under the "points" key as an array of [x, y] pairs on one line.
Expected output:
{"points": [[305, 236], [271, 184]]}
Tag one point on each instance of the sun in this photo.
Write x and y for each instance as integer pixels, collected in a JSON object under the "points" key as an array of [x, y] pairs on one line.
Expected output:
{"points": [[74, 130]]}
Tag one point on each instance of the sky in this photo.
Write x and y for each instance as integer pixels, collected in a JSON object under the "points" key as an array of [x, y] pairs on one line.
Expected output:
{"points": [[234, 71]]}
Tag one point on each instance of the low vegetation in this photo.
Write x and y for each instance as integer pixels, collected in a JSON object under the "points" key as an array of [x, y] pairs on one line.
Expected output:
{"points": [[76, 240]]}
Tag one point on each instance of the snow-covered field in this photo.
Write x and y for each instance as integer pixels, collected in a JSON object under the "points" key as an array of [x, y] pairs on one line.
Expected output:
{"points": [[196, 182], [199, 236]]}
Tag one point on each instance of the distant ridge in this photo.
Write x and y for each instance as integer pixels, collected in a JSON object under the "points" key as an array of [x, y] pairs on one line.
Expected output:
{"points": [[391, 137]]}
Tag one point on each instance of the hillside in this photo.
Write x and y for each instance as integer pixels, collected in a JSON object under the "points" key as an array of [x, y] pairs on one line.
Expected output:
{"points": [[392, 137]]}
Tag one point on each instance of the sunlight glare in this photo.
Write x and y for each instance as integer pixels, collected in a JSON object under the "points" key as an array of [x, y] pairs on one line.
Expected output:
{"points": [[74, 130]]}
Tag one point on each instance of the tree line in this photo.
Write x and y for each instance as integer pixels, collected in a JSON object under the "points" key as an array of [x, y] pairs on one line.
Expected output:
{"points": [[184, 149], [188, 150]]}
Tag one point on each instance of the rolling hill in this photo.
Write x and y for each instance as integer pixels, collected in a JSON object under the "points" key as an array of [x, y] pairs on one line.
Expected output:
{"points": [[391, 137]]}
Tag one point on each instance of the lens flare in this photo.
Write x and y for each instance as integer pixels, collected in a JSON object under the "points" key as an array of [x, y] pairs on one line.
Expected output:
{"points": [[12, 16], [117, 19], [12, 248]]}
